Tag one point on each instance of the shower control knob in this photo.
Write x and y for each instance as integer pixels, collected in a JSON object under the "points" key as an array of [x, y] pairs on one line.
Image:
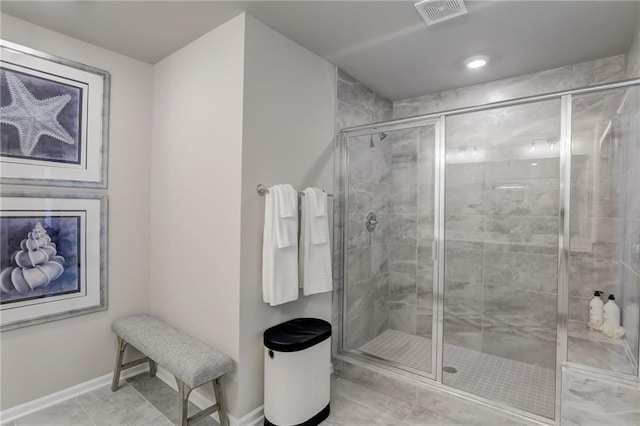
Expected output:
{"points": [[371, 221]]}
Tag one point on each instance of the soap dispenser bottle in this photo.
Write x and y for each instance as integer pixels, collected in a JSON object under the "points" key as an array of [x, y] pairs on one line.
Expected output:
{"points": [[596, 309], [612, 312]]}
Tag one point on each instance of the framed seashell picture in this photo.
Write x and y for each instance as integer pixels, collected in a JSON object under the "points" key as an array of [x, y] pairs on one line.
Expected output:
{"points": [[52, 256], [54, 115]]}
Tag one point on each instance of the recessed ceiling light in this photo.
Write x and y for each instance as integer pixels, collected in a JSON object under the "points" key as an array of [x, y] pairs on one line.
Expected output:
{"points": [[475, 62]]}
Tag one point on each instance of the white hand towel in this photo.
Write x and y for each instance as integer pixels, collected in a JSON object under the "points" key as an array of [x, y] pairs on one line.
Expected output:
{"points": [[279, 264], [286, 202], [320, 199], [319, 223], [315, 259]]}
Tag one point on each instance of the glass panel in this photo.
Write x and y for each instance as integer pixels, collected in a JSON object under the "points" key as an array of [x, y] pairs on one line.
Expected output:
{"points": [[605, 227], [389, 282], [501, 253]]}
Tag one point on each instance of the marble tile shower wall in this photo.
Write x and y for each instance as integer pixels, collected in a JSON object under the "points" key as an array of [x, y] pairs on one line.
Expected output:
{"points": [[369, 188], [597, 200], [594, 400], [605, 204], [501, 233], [563, 78], [386, 292], [630, 259], [410, 235], [633, 56], [502, 252], [402, 237]]}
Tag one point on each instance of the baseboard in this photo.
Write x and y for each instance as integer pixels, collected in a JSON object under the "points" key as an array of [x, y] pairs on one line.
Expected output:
{"points": [[13, 413], [254, 418]]}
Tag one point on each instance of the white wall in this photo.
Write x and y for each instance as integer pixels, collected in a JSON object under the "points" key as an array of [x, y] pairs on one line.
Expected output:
{"points": [[242, 105], [42, 359], [195, 192], [288, 130]]}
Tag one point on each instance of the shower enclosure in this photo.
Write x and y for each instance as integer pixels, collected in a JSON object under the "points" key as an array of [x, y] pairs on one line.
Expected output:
{"points": [[473, 239]]}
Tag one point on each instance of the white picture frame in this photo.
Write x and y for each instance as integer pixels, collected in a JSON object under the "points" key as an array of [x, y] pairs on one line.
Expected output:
{"points": [[67, 144], [53, 256]]}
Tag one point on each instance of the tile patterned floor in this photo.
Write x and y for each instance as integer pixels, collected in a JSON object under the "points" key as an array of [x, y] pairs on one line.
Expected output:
{"points": [[518, 384], [147, 401], [355, 405], [140, 401]]}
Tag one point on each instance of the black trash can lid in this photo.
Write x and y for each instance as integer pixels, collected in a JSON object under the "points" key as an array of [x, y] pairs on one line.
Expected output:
{"points": [[297, 334]]}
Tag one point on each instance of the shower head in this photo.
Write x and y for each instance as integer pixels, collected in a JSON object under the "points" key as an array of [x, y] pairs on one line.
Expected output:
{"points": [[381, 136]]}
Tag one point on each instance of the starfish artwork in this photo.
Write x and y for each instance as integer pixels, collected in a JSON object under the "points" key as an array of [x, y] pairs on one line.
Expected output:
{"points": [[33, 117]]}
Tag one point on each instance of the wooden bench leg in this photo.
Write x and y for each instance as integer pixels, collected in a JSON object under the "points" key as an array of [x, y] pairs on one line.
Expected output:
{"points": [[118, 368], [183, 402], [153, 368], [122, 345], [183, 405], [222, 403]]}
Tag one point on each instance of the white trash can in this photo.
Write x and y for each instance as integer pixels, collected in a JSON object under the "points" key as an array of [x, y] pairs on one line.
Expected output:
{"points": [[297, 372]]}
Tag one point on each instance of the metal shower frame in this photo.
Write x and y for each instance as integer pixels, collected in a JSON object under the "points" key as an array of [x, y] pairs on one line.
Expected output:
{"points": [[438, 121]]}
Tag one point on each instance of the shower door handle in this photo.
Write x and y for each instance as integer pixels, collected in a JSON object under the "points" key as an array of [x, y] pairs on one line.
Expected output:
{"points": [[434, 250]]}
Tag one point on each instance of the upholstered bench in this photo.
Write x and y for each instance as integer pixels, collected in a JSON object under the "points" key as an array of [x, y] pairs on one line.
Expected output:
{"points": [[191, 362]]}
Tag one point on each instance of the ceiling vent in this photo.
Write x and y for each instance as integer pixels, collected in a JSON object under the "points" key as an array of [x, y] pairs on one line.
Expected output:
{"points": [[434, 11]]}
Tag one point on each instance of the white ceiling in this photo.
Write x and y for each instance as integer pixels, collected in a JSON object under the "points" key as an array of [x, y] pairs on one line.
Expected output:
{"points": [[386, 45]]}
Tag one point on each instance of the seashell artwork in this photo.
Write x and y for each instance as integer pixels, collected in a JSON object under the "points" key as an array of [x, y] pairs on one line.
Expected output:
{"points": [[37, 263], [52, 256]]}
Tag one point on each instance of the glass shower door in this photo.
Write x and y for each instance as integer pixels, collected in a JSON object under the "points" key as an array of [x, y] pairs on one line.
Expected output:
{"points": [[501, 213], [389, 235]]}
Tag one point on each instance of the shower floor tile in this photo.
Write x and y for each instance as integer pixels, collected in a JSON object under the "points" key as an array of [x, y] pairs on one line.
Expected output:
{"points": [[521, 385], [402, 348]]}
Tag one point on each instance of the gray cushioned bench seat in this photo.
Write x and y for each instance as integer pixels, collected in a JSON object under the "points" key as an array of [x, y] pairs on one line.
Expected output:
{"points": [[187, 358]]}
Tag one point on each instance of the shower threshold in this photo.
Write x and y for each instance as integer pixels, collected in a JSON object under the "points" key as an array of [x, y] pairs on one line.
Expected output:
{"points": [[524, 386]]}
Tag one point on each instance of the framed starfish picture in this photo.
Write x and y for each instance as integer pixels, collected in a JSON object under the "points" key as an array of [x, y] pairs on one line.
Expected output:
{"points": [[54, 118], [53, 249]]}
